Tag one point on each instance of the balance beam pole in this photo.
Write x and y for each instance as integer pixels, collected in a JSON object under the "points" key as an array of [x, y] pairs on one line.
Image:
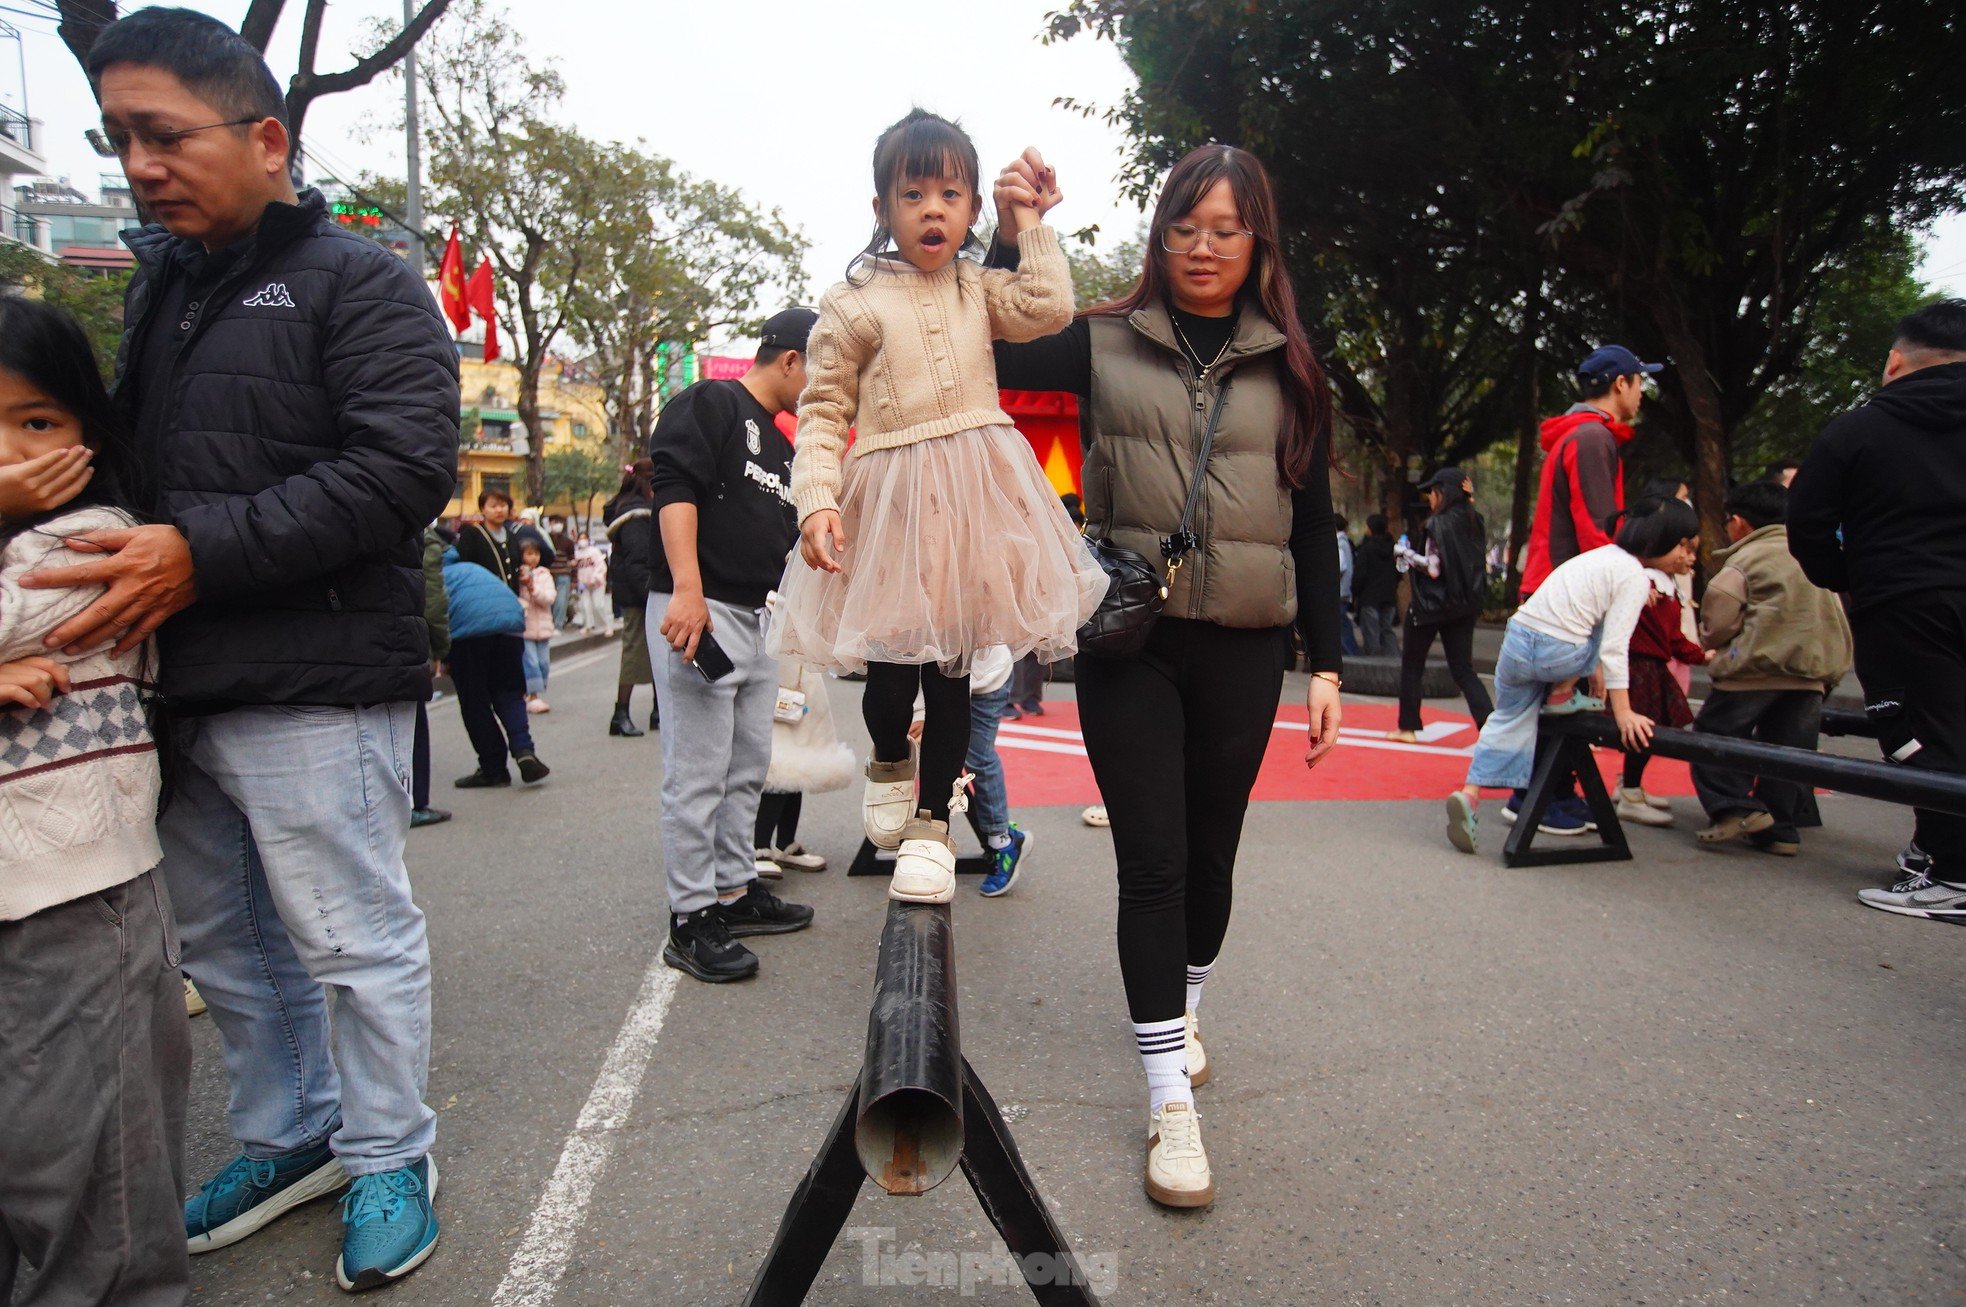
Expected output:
{"points": [[1890, 782], [909, 1135]]}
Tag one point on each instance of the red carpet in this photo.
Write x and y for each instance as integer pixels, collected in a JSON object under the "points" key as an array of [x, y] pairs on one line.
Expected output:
{"points": [[1044, 759]]}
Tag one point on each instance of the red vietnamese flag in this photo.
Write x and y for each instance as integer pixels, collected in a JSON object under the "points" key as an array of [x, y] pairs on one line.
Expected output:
{"points": [[478, 294], [450, 284]]}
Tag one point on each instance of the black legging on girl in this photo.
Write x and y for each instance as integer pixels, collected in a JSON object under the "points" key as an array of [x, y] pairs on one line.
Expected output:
{"points": [[888, 707]]}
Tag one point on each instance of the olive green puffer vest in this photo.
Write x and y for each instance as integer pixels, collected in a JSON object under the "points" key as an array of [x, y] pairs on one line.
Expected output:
{"points": [[1148, 416]]}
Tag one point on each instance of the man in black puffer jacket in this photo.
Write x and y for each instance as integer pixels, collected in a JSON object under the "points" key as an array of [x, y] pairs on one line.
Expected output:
{"points": [[1874, 514], [294, 396]]}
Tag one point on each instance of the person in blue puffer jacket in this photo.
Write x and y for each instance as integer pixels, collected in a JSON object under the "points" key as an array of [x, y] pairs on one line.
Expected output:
{"points": [[485, 667]]}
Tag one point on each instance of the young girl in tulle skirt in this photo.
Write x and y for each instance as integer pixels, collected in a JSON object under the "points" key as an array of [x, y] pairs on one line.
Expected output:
{"points": [[938, 535]]}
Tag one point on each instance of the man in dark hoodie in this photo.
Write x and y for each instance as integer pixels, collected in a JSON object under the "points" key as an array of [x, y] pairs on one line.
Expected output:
{"points": [[1875, 513]]}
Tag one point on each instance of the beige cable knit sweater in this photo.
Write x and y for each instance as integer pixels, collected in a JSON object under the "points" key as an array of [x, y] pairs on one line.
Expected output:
{"points": [[906, 357], [79, 779]]}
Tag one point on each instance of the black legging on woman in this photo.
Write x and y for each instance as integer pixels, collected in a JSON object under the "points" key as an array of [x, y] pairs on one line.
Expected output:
{"points": [[888, 708], [1176, 737], [1457, 642]]}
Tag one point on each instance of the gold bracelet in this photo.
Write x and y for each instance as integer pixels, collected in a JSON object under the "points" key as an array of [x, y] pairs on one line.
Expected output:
{"points": [[1336, 680]]}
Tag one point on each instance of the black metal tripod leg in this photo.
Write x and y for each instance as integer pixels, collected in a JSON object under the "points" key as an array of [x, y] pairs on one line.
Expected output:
{"points": [[1543, 784], [1011, 1200], [814, 1218], [1605, 813]]}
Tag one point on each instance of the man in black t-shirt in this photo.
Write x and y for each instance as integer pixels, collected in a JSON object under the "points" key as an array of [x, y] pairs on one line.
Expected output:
{"points": [[723, 503]]}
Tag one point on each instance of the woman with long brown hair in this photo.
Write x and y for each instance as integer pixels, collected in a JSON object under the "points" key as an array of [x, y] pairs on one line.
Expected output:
{"points": [[1208, 337]]}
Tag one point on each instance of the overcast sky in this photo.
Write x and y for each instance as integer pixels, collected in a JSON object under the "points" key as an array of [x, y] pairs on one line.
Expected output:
{"points": [[780, 98]]}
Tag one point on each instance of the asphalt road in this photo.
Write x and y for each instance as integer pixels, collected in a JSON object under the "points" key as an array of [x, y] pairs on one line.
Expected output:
{"points": [[1695, 1077]]}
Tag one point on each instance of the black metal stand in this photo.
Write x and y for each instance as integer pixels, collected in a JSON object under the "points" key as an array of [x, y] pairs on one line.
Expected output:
{"points": [[1562, 757], [1563, 751], [916, 1112], [990, 1161], [871, 861]]}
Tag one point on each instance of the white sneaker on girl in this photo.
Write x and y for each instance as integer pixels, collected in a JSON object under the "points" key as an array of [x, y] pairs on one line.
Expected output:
{"points": [[925, 871]]}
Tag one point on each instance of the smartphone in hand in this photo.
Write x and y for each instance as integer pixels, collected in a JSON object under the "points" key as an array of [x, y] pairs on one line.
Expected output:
{"points": [[711, 661]]}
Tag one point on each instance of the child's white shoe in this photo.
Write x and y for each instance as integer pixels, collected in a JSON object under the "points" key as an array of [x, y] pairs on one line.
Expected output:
{"points": [[888, 803], [925, 871], [1636, 806]]}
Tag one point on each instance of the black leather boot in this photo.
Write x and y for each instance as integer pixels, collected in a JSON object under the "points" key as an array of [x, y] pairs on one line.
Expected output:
{"points": [[624, 722]]}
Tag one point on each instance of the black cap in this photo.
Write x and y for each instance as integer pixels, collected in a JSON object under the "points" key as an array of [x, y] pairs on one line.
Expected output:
{"points": [[1609, 362], [788, 329], [1447, 476]]}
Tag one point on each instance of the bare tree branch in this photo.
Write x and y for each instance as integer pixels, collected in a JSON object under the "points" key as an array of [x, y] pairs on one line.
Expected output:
{"points": [[385, 58], [259, 22], [81, 22]]}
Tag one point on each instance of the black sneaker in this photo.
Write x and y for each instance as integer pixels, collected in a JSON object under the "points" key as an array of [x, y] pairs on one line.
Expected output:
{"points": [[530, 767], [760, 912], [428, 817], [477, 780], [700, 944]]}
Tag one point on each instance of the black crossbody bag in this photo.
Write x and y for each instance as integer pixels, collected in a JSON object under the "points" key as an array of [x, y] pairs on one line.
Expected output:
{"points": [[1136, 589]]}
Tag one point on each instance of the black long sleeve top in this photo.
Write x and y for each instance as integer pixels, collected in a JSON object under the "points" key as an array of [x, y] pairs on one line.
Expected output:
{"points": [[1064, 363]]}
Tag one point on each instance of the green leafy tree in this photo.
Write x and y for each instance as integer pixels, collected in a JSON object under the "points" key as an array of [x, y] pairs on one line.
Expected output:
{"points": [[524, 190], [1843, 361], [1687, 175], [674, 258], [96, 299], [579, 475], [1099, 278]]}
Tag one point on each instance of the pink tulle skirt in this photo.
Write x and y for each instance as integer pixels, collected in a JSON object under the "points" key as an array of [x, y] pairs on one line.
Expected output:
{"points": [[956, 543]]}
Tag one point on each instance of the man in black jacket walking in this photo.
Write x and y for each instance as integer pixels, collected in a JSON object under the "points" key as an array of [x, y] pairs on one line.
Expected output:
{"points": [[295, 399], [1874, 513]]}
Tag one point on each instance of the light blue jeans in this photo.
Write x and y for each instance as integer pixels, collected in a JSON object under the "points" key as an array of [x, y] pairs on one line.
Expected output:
{"points": [[283, 851], [992, 810], [537, 658], [1530, 662]]}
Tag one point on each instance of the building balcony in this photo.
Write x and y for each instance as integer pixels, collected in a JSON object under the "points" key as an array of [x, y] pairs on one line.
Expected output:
{"points": [[19, 138]]}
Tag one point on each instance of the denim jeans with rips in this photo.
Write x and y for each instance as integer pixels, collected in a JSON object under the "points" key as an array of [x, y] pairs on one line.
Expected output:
{"points": [[283, 849]]}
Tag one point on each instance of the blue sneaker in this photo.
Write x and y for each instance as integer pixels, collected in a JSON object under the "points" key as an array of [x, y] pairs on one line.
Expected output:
{"points": [[1006, 862], [388, 1226], [1567, 816], [251, 1193]]}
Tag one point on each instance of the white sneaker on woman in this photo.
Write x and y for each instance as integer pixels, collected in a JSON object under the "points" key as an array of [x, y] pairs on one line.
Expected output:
{"points": [[925, 871], [1196, 1054], [1177, 1164], [888, 802]]}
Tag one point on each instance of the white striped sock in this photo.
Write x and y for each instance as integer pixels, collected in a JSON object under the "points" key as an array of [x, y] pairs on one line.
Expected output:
{"points": [[1197, 977], [1163, 1049]]}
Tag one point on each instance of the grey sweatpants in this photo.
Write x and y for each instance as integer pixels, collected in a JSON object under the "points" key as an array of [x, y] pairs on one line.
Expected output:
{"points": [[716, 746], [93, 1078]]}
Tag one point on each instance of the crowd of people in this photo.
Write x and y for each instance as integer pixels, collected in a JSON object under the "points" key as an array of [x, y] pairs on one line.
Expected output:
{"points": [[225, 597]]}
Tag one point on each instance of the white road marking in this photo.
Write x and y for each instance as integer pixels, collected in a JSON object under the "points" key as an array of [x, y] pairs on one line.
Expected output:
{"points": [[533, 1277], [1045, 739], [1042, 732], [1040, 746]]}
